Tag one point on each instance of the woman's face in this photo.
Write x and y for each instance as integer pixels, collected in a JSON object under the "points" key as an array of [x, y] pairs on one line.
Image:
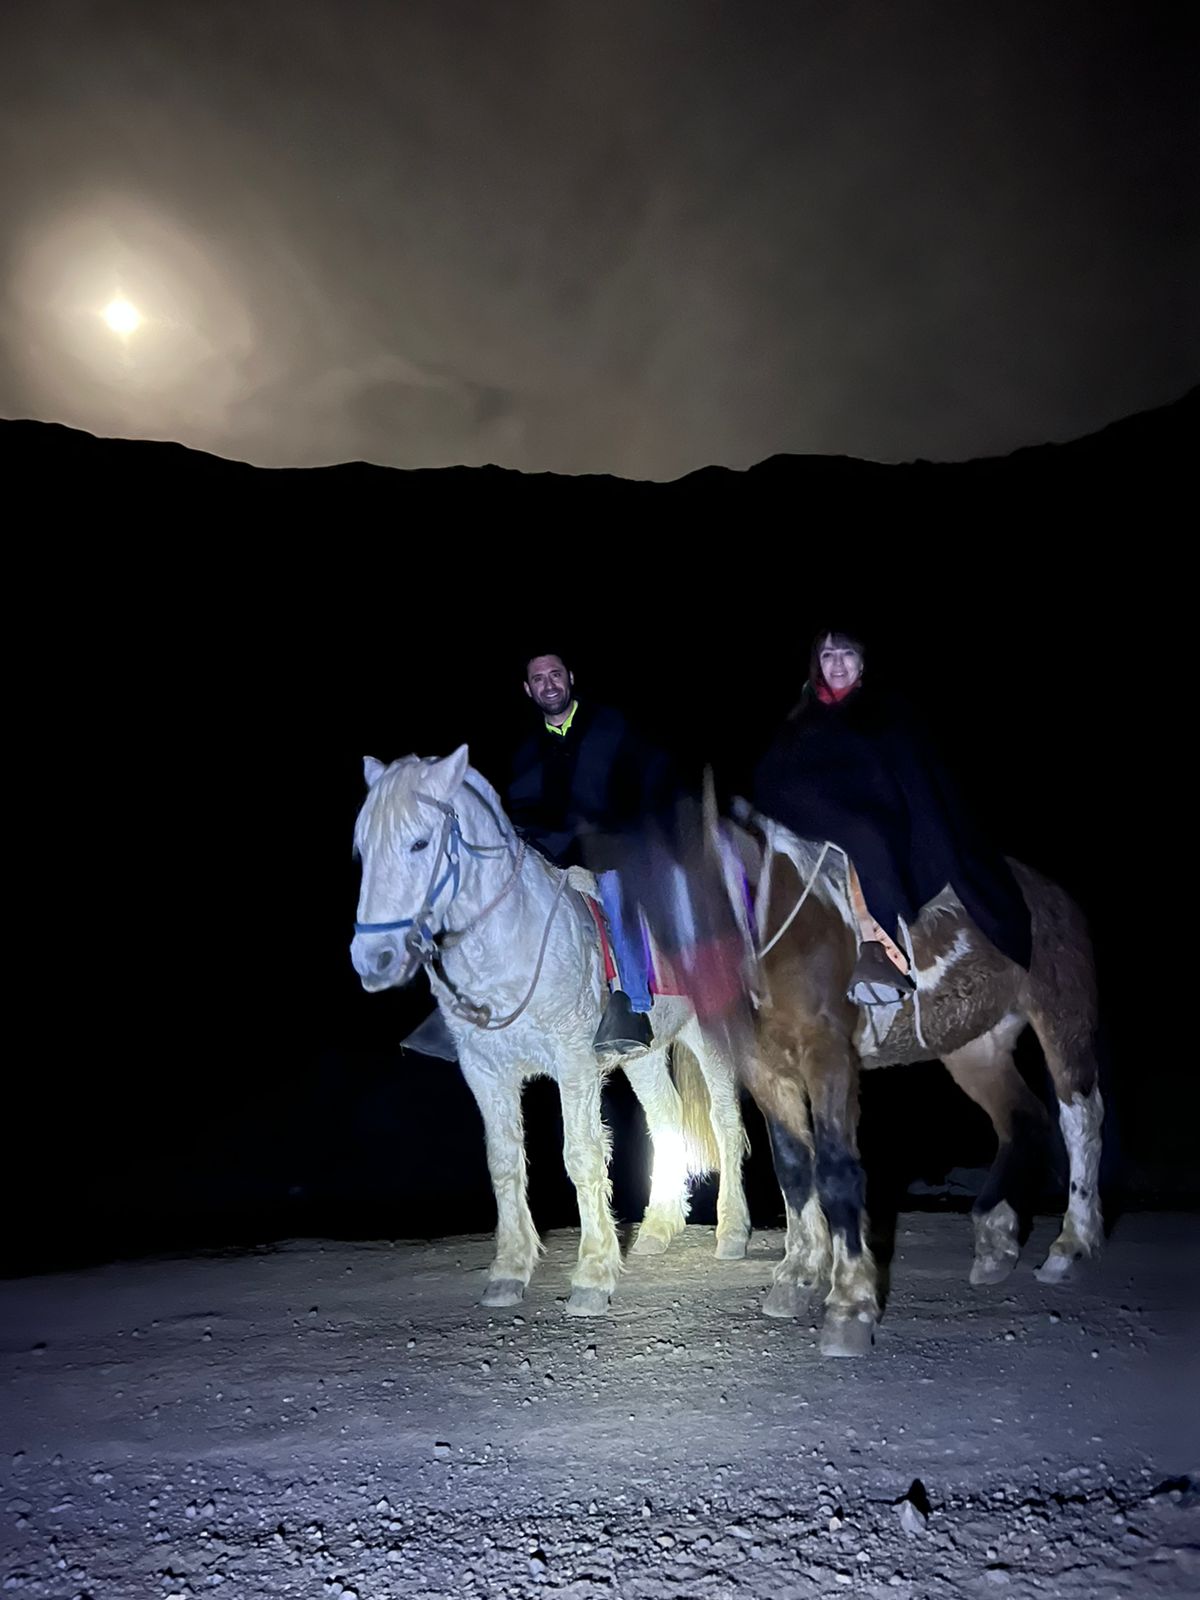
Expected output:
{"points": [[841, 668]]}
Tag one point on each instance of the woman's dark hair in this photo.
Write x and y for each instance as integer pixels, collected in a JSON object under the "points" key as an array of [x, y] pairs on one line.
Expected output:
{"points": [[840, 641]]}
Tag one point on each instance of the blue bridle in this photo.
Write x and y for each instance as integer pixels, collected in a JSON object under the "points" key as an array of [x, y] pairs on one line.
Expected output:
{"points": [[448, 847]]}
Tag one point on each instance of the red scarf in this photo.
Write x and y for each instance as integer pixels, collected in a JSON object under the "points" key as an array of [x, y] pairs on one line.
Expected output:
{"points": [[832, 697]]}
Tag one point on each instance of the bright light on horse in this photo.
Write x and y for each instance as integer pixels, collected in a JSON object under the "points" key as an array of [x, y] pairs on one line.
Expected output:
{"points": [[670, 1174]]}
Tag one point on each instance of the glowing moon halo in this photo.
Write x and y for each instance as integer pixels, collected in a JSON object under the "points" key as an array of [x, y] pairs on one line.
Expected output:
{"points": [[122, 317]]}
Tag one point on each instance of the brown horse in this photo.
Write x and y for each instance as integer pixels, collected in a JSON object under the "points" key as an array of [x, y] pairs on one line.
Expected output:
{"points": [[971, 1005]]}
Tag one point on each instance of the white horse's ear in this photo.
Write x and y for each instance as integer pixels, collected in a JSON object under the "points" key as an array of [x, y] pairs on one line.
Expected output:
{"points": [[372, 770], [444, 778]]}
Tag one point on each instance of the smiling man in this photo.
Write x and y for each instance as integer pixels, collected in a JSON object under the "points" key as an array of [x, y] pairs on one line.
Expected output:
{"points": [[584, 786]]}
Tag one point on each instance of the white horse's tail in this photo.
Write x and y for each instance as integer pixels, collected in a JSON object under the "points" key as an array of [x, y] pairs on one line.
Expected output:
{"points": [[699, 1146]]}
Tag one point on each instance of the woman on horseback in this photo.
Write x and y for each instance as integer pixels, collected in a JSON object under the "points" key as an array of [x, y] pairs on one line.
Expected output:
{"points": [[851, 766]]}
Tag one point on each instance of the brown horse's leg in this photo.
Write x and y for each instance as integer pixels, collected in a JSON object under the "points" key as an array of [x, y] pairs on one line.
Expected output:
{"points": [[774, 1077], [807, 1257], [1073, 1067], [1064, 1012], [806, 1062], [985, 1070], [852, 1305]]}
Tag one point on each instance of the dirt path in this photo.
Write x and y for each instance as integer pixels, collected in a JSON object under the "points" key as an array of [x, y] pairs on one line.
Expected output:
{"points": [[328, 1419]]}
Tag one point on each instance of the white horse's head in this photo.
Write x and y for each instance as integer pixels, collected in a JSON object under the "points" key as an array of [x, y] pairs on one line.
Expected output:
{"points": [[406, 835]]}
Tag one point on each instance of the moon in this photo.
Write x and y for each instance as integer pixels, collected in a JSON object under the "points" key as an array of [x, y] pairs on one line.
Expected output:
{"points": [[122, 317]]}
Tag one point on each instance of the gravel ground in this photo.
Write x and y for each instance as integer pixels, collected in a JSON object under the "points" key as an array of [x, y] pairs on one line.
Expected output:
{"points": [[324, 1419]]}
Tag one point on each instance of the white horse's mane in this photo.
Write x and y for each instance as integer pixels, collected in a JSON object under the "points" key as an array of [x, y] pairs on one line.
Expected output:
{"points": [[482, 790], [393, 792]]}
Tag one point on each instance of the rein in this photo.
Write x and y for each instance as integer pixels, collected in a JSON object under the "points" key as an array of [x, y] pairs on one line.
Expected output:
{"points": [[764, 885], [769, 854], [428, 948]]}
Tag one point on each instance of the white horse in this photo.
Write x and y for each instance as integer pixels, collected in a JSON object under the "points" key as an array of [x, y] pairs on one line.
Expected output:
{"points": [[514, 962]]}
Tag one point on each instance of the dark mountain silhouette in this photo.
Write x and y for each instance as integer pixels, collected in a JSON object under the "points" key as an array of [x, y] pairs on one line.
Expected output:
{"points": [[1130, 455]]}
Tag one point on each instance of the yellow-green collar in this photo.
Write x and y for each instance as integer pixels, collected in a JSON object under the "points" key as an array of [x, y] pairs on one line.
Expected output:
{"points": [[564, 727]]}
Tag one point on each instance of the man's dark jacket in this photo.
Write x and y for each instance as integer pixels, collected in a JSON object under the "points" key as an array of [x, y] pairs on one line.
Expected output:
{"points": [[583, 796]]}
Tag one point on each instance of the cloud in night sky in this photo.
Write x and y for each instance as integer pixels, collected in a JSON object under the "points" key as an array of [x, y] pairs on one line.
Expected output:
{"points": [[625, 237]]}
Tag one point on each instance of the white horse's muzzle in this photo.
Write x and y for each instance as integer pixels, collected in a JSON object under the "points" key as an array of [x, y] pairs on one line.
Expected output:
{"points": [[382, 961]]}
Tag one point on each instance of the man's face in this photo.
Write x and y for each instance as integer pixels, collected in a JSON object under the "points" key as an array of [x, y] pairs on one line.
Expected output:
{"points": [[548, 684]]}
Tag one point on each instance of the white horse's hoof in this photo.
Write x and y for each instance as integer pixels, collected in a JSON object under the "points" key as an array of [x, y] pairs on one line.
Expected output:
{"points": [[585, 1302], [733, 1248], [847, 1336], [785, 1300], [1057, 1267], [649, 1244], [503, 1292], [991, 1269]]}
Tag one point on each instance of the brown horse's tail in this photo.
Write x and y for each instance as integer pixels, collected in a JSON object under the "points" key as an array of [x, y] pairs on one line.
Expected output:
{"points": [[700, 1148], [1063, 970]]}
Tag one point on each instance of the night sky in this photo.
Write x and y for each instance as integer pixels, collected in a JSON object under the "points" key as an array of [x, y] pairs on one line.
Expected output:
{"points": [[632, 238]]}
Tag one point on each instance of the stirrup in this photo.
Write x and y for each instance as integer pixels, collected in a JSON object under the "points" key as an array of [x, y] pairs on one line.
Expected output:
{"points": [[876, 980]]}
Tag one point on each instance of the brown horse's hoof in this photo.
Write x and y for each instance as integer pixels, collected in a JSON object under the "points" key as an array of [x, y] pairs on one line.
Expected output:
{"points": [[996, 1244], [786, 1300], [1058, 1267], [847, 1336], [991, 1269]]}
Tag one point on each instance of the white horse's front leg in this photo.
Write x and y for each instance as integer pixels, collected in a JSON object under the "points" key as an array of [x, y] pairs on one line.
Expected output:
{"points": [[497, 1093], [667, 1208], [586, 1148]]}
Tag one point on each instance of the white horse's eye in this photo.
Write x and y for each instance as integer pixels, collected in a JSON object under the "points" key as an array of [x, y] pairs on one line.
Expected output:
{"points": [[418, 844]]}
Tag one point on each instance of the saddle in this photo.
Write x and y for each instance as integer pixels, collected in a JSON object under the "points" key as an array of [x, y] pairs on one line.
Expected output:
{"points": [[663, 979], [714, 940]]}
